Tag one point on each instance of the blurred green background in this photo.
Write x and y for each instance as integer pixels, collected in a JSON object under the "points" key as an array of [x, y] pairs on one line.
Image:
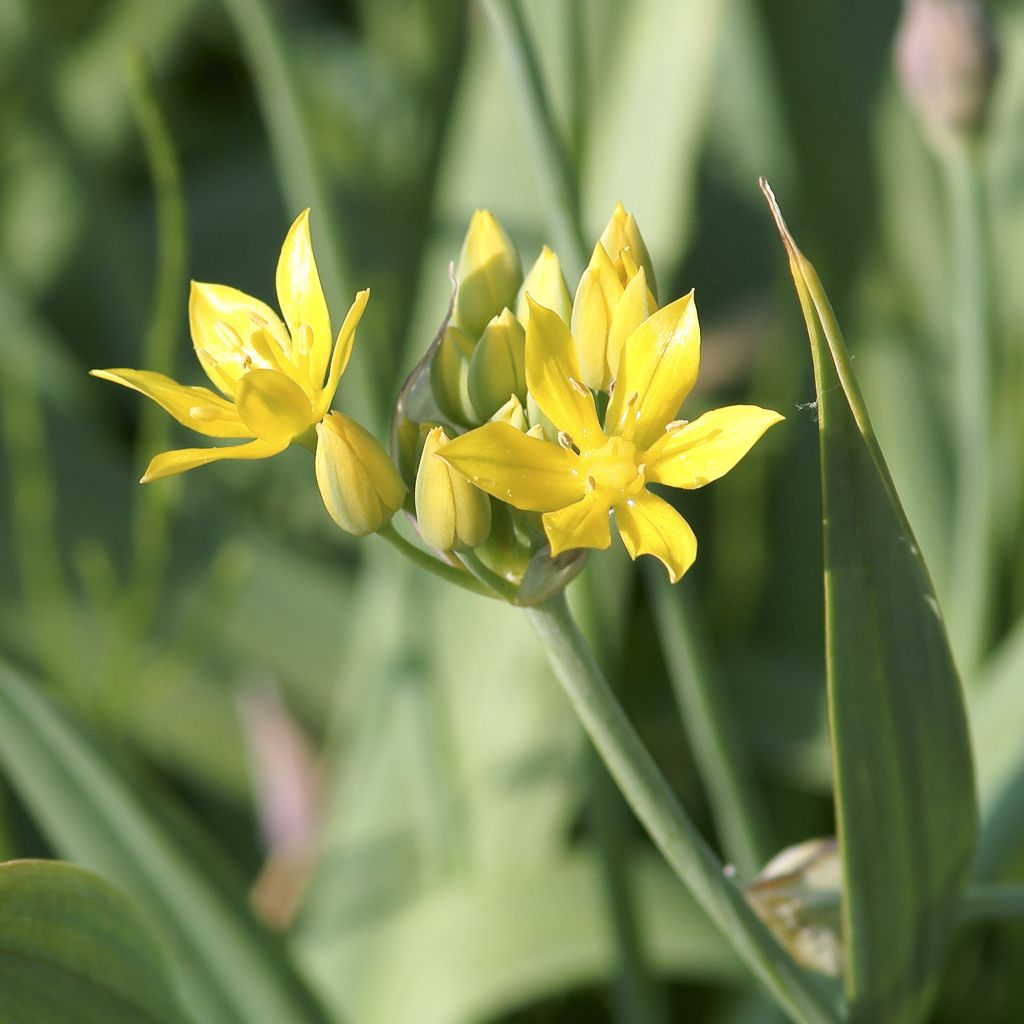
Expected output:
{"points": [[387, 761]]}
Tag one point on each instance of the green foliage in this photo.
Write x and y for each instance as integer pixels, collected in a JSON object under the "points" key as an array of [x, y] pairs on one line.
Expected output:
{"points": [[74, 948], [92, 811], [904, 784], [443, 856]]}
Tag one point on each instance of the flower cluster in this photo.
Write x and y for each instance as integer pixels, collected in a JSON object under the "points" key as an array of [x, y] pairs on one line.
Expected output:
{"points": [[533, 419], [277, 381]]}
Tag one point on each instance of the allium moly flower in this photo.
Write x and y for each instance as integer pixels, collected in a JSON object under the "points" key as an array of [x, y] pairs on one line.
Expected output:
{"points": [[276, 379], [598, 468]]}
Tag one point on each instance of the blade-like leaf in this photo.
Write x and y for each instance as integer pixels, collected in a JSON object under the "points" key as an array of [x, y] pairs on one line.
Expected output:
{"points": [[74, 948], [89, 808], [903, 773]]}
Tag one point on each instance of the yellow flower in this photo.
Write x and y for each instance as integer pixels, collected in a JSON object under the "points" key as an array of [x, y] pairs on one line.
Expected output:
{"points": [[596, 468], [277, 380]]}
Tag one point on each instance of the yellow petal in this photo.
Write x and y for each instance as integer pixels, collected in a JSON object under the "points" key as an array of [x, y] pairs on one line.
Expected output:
{"points": [[649, 525], [632, 310], [545, 284], [342, 351], [358, 482], [553, 378], [582, 525], [657, 370], [226, 354], [170, 463], [198, 409], [693, 454], [524, 471], [623, 233], [273, 406], [597, 296], [301, 298]]}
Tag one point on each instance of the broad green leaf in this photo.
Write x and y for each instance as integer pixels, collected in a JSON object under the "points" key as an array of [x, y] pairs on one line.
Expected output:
{"points": [[903, 773], [74, 948], [92, 811]]}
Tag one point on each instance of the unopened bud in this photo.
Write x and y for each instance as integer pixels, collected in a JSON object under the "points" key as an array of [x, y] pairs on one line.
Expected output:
{"points": [[359, 483], [545, 284], [946, 61], [451, 513], [512, 413], [606, 311], [449, 376], [498, 367], [488, 274], [622, 233]]}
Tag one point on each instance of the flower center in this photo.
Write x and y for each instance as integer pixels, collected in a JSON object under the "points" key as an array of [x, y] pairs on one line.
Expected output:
{"points": [[613, 468]]}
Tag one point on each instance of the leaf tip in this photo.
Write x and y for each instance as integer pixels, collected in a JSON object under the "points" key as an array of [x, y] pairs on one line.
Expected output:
{"points": [[780, 223]]}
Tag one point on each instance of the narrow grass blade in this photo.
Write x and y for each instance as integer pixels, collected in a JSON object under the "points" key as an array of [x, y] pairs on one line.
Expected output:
{"points": [[72, 947], [226, 968], [903, 773]]}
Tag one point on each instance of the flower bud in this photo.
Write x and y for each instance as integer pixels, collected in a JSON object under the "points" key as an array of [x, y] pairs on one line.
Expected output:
{"points": [[946, 61], [449, 376], [512, 413], [359, 483], [488, 274], [450, 512], [606, 311], [545, 284], [498, 367], [622, 233]]}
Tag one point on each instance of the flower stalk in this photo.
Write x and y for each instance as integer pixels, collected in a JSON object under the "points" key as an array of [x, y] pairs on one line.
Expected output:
{"points": [[654, 803]]}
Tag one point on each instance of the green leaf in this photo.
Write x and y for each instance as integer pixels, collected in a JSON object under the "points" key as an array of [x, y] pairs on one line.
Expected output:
{"points": [[903, 774], [74, 948], [92, 811]]}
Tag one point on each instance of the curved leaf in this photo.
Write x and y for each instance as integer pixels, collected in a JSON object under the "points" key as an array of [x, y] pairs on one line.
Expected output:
{"points": [[901, 755], [226, 968], [74, 948]]}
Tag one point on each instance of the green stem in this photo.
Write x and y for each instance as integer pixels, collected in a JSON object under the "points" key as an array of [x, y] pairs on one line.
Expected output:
{"points": [[444, 571], [600, 608], [495, 583], [711, 729], [992, 901], [558, 177], [155, 505], [579, 93], [972, 563], [654, 803]]}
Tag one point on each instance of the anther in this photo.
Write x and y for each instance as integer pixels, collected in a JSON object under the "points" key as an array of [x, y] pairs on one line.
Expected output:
{"points": [[564, 440], [229, 336]]}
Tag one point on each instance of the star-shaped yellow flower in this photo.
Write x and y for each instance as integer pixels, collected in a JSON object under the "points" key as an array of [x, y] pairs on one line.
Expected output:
{"points": [[597, 468], [277, 380]]}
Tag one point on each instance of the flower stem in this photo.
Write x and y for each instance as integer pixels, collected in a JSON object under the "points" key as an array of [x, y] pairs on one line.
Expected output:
{"points": [[425, 560], [711, 728], [654, 803], [498, 586], [155, 506], [558, 175], [970, 597]]}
